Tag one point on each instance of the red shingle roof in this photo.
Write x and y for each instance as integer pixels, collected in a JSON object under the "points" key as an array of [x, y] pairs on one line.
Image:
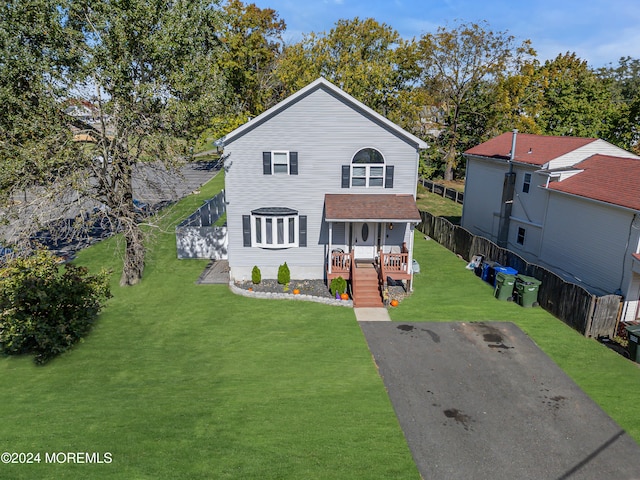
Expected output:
{"points": [[609, 179], [365, 206], [532, 149]]}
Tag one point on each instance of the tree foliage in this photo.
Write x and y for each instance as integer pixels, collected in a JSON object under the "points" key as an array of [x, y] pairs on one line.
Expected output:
{"points": [[575, 101], [37, 51], [45, 308], [147, 69], [252, 39], [366, 59], [461, 67]]}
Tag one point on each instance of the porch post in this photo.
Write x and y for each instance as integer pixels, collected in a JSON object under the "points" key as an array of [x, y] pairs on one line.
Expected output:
{"points": [[330, 247], [410, 256]]}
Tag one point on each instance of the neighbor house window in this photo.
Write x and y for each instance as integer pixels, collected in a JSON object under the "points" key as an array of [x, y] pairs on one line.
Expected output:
{"points": [[521, 234], [274, 227], [526, 183]]}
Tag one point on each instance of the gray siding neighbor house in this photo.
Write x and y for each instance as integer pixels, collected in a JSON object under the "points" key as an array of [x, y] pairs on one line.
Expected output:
{"points": [[324, 183]]}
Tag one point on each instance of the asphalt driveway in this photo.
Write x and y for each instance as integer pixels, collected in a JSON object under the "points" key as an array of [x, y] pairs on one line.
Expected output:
{"points": [[482, 401]]}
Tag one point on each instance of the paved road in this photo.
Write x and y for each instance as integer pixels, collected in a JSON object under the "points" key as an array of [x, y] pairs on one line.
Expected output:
{"points": [[153, 185], [482, 401]]}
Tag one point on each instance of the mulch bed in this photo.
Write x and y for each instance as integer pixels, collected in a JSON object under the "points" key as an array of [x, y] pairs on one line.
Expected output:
{"points": [[316, 288]]}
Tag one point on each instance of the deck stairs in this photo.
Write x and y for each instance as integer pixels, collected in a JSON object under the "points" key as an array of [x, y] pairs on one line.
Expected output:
{"points": [[366, 286]]}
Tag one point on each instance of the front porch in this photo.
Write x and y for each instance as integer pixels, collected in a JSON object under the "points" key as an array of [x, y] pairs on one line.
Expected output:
{"points": [[387, 265], [370, 240]]}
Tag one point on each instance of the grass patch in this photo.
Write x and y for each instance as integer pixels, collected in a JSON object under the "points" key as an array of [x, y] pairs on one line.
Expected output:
{"points": [[446, 291], [438, 206], [187, 381]]}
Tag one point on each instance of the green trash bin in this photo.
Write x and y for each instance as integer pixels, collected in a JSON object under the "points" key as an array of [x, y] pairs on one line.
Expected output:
{"points": [[504, 286], [527, 290], [633, 334]]}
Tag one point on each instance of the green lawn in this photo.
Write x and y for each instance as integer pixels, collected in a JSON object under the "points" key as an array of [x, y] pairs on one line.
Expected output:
{"points": [[438, 205], [189, 381], [446, 291]]}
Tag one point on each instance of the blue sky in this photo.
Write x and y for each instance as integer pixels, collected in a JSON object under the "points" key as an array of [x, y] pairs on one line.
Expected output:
{"points": [[598, 31]]}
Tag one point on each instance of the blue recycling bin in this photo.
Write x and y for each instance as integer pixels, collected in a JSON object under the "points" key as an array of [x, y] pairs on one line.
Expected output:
{"points": [[489, 270], [506, 270]]}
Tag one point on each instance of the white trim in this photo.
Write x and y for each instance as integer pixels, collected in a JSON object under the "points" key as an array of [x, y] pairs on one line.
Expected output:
{"points": [[273, 162], [269, 231]]}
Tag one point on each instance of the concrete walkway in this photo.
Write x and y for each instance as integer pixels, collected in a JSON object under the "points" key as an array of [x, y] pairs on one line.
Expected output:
{"points": [[372, 314]]}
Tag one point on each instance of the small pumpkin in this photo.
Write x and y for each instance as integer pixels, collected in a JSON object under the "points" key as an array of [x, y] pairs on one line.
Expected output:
{"points": [[394, 303], [296, 291], [344, 296]]}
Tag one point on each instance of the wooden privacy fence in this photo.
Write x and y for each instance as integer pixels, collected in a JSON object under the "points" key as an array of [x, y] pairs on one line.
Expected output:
{"points": [[589, 314], [450, 193]]}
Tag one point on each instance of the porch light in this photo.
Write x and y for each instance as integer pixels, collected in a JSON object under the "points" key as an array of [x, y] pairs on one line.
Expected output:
{"points": [[391, 226]]}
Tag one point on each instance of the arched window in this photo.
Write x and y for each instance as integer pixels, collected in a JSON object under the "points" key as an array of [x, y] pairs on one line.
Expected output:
{"points": [[367, 168]]}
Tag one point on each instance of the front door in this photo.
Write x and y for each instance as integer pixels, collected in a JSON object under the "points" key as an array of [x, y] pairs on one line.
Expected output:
{"points": [[364, 240]]}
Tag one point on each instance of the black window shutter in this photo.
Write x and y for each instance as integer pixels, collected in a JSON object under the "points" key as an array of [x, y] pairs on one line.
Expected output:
{"points": [[388, 180], [302, 224], [266, 163], [293, 163], [246, 230], [346, 176]]}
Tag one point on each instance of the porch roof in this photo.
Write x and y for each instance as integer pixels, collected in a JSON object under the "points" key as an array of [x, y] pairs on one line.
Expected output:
{"points": [[355, 207]]}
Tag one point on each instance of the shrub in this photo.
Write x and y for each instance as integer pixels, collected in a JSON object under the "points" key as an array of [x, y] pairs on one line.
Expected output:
{"points": [[284, 275], [256, 276], [46, 308], [339, 285]]}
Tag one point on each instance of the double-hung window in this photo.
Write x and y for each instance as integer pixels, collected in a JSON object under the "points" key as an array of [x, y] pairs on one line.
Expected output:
{"points": [[526, 183], [280, 162]]}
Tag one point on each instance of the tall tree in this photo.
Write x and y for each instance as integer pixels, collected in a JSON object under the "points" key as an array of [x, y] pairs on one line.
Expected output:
{"points": [[457, 62], [147, 69], [624, 80], [36, 44], [252, 39], [366, 59], [576, 101]]}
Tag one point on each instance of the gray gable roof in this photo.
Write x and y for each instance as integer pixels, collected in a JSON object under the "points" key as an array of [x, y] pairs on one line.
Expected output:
{"points": [[322, 83]]}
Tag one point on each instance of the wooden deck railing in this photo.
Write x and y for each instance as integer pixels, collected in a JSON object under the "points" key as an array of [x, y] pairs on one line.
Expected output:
{"points": [[340, 265], [393, 265]]}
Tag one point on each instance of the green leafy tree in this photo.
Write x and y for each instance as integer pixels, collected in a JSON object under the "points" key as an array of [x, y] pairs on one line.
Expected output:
{"points": [[624, 80], [46, 308], [37, 51], [575, 100], [366, 59], [457, 64], [147, 69], [252, 39]]}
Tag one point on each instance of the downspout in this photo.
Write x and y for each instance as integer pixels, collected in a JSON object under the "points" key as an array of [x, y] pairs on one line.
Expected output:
{"points": [[508, 190]]}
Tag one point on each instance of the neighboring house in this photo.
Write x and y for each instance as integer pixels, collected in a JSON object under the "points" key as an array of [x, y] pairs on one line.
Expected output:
{"points": [[569, 204], [327, 185]]}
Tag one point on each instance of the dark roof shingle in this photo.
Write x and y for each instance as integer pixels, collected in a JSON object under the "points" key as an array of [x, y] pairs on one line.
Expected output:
{"points": [[614, 180], [531, 149], [344, 207]]}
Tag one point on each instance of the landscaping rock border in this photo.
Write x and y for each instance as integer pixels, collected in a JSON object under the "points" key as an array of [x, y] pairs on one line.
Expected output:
{"points": [[270, 289]]}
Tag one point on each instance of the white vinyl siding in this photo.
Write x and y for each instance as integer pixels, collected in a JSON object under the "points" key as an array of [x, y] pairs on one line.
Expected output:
{"points": [[587, 240], [325, 132]]}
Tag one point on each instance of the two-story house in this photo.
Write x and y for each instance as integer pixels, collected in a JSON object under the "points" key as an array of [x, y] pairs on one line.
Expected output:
{"points": [[569, 204], [326, 184]]}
